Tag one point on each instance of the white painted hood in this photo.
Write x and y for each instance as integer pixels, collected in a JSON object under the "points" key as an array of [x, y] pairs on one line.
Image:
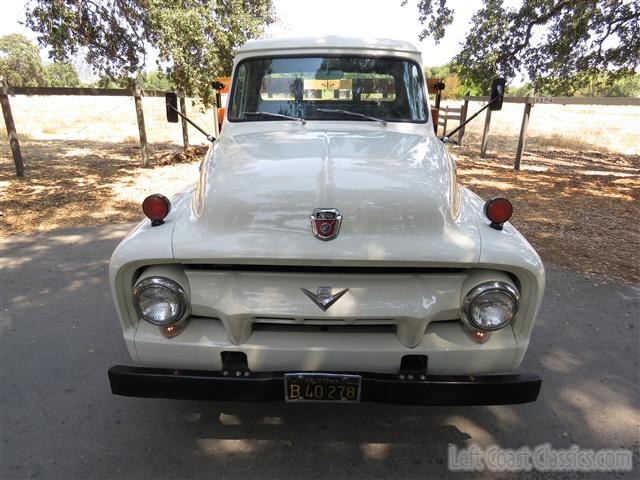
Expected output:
{"points": [[392, 188]]}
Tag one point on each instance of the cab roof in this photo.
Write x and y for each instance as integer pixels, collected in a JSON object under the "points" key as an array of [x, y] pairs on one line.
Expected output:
{"points": [[330, 42]]}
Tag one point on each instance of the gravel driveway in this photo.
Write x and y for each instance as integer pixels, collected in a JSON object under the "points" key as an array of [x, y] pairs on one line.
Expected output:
{"points": [[59, 335]]}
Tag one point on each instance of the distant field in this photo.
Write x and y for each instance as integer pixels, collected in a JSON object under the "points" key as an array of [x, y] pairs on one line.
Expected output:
{"points": [[112, 119], [578, 127], [107, 119]]}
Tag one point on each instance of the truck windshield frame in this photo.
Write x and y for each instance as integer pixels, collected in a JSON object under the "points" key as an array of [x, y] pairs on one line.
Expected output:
{"points": [[391, 88]]}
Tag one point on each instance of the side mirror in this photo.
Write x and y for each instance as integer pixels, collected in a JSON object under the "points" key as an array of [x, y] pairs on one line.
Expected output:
{"points": [[217, 85], [171, 102], [497, 93]]}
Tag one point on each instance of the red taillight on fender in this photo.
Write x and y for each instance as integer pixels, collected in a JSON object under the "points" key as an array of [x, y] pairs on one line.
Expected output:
{"points": [[156, 207], [498, 210]]}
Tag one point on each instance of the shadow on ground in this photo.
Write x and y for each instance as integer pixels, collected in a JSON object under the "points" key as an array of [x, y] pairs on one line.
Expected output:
{"points": [[80, 183], [59, 336], [579, 209]]}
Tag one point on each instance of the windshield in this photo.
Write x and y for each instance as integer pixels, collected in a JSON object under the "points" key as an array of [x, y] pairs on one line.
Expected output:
{"points": [[328, 88]]}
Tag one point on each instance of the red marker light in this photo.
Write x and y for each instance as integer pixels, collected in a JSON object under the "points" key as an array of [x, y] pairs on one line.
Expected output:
{"points": [[156, 207], [498, 210]]}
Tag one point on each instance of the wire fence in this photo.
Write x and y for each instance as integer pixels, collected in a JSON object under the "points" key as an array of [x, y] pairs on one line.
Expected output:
{"points": [[102, 119], [38, 118], [558, 136]]}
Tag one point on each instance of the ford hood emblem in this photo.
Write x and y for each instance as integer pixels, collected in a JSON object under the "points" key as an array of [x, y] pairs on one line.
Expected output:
{"points": [[325, 223]]}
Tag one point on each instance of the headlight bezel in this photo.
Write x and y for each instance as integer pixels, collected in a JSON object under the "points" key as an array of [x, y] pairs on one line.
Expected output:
{"points": [[482, 289], [168, 284]]}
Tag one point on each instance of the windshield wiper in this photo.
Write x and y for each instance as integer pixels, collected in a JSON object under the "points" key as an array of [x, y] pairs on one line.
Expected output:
{"points": [[277, 115], [355, 114]]}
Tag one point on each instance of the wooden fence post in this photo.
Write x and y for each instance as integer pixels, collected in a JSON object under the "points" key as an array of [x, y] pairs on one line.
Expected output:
{"points": [[11, 131], [137, 95], [444, 127], [185, 132], [523, 134], [463, 118], [485, 134]]}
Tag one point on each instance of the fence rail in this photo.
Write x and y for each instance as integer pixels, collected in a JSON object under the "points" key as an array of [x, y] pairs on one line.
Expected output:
{"points": [[529, 102], [136, 93], [561, 100], [98, 92], [458, 114]]}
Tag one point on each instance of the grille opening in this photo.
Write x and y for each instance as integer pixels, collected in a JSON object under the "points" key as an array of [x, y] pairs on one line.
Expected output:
{"points": [[382, 270], [234, 361], [435, 323], [274, 319], [325, 321], [416, 364], [333, 328]]}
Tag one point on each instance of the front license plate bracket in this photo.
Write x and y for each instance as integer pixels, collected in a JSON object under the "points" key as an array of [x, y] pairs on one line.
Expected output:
{"points": [[322, 387]]}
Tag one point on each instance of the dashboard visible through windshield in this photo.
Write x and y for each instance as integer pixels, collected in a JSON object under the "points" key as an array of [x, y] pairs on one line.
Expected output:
{"points": [[328, 88]]}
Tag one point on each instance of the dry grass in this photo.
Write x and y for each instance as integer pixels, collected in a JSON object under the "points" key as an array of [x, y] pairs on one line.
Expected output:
{"points": [[575, 143], [576, 127], [578, 209], [104, 119], [82, 157], [80, 183], [577, 197]]}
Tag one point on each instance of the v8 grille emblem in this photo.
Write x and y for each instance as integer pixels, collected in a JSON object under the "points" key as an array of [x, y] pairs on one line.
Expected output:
{"points": [[324, 298]]}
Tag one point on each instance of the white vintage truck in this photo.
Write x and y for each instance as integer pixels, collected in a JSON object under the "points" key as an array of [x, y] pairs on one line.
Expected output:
{"points": [[327, 252]]}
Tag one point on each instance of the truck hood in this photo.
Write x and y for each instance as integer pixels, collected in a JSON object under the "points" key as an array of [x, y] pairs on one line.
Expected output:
{"points": [[393, 190]]}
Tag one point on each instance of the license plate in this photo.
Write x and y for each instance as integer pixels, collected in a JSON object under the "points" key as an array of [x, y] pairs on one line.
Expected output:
{"points": [[322, 387]]}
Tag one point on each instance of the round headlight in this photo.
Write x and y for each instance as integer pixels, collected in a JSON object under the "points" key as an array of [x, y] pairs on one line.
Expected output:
{"points": [[490, 306], [160, 301]]}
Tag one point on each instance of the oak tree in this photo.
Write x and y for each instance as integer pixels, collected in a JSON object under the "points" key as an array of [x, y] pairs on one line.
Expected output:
{"points": [[194, 40], [561, 45], [62, 74], [20, 64]]}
